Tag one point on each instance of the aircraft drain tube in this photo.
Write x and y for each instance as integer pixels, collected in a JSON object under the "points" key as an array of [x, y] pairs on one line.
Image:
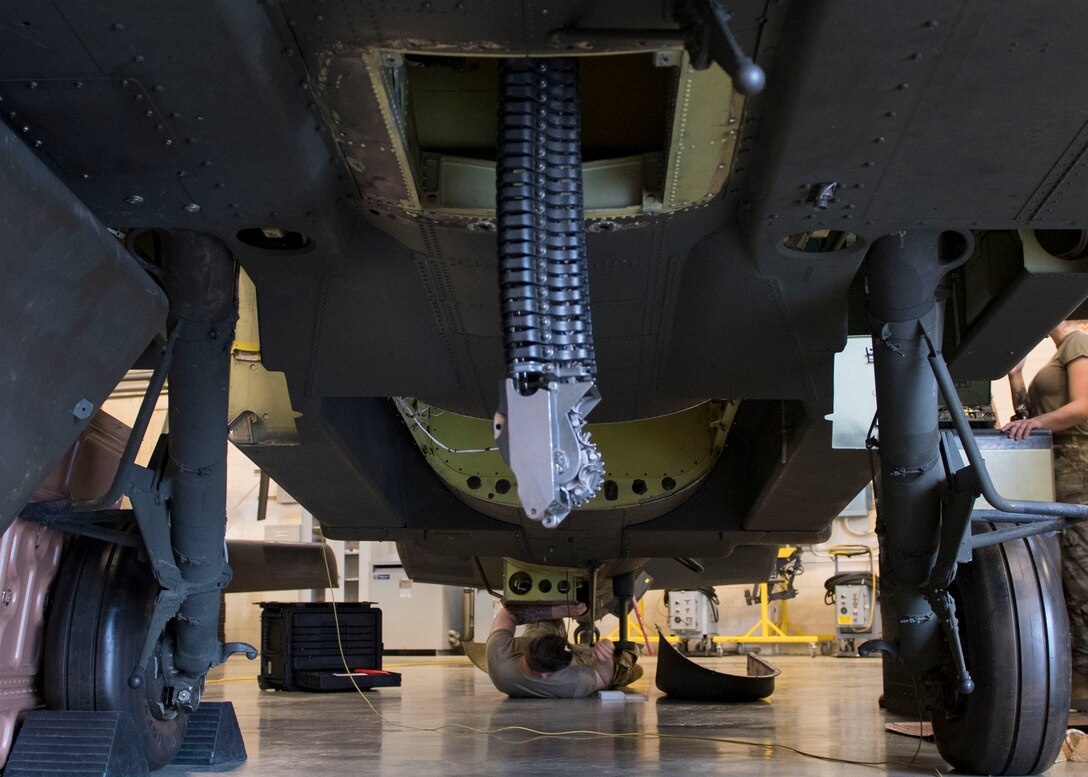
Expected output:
{"points": [[544, 287]]}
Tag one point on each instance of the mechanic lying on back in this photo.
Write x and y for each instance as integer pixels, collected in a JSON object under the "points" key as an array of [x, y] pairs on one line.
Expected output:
{"points": [[543, 664]]}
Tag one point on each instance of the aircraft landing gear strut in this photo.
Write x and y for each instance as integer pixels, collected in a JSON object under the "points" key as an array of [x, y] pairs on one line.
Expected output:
{"points": [[136, 627], [199, 276], [986, 649]]}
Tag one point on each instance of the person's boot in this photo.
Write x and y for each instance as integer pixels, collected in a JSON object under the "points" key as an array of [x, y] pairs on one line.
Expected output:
{"points": [[626, 669]]}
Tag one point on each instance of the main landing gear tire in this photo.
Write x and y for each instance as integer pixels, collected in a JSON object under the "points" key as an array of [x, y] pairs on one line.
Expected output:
{"points": [[100, 610], [1015, 636]]}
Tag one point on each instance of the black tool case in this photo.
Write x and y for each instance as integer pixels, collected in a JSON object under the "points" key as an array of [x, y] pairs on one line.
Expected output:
{"points": [[300, 647]]}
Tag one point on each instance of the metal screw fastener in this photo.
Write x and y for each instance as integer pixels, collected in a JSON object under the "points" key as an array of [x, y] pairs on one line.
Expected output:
{"points": [[184, 696], [192, 207], [134, 199], [83, 409], [821, 194]]}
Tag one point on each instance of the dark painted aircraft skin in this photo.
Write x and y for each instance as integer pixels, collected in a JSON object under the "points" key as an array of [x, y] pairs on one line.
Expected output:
{"points": [[225, 116], [283, 130]]}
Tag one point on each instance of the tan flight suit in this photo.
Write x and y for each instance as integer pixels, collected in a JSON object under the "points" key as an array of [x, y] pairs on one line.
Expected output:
{"points": [[625, 670], [505, 651]]}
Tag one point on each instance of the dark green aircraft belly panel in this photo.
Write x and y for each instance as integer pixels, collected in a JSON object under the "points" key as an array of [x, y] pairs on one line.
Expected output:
{"points": [[229, 118], [75, 313]]}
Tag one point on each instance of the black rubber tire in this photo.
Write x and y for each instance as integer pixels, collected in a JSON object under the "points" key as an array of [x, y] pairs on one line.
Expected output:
{"points": [[100, 609], [1015, 634]]}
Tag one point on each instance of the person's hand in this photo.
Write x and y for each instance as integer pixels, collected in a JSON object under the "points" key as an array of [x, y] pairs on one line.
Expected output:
{"points": [[574, 610], [602, 652], [602, 662], [1021, 428], [534, 613]]}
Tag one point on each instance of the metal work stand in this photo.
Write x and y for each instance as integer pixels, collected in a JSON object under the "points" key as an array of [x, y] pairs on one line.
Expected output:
{"points": [[765, 631]]}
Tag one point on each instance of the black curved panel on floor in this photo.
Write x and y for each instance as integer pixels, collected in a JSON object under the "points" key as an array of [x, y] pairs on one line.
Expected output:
{"points": [[682, 678]]}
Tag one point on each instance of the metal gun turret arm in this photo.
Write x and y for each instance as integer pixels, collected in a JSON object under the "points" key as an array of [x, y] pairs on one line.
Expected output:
{"points": [[708, 38]]}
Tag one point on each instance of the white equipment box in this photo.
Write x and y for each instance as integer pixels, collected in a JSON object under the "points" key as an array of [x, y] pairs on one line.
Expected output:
{"points": [[691, 614], [853, 610]]}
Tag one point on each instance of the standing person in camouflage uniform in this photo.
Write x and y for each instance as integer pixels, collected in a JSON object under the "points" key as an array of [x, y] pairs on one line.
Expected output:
{"points": [[1058, 400]]}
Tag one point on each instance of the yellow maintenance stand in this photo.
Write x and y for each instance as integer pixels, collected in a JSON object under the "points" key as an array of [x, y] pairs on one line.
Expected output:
{"points": [[766, 630]]}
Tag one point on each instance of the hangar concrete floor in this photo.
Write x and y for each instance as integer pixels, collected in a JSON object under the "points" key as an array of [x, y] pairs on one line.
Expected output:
{"points": [[826, 707]]}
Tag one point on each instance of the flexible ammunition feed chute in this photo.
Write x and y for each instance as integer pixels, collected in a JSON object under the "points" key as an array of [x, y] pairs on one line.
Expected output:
{"points": [[544, 287]]}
